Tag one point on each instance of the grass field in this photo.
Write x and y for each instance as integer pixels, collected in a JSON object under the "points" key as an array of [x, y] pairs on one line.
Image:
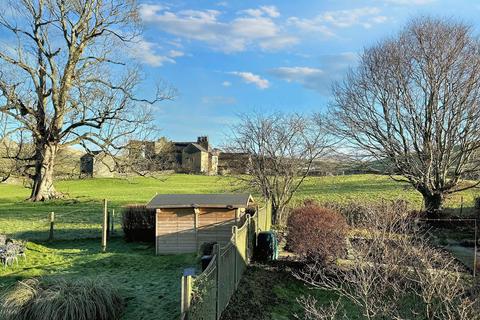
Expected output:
{"points": [[80, 216], [151, 283]]}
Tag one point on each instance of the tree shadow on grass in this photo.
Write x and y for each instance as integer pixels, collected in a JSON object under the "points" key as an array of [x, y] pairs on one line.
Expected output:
{"points": [[62, 233]]}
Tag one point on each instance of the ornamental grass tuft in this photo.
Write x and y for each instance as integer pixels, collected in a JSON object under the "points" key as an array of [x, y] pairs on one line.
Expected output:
{"points": [[60, 299]]}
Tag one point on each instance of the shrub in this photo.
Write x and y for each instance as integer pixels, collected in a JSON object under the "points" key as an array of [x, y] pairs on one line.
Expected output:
{"points": [[314, 232], [138, 223], [363, 215], [59, 299]]}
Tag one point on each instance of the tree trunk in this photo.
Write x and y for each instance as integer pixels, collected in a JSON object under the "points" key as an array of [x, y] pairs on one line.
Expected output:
{"points": [[433, 204], [43, 188], [278, 215]]}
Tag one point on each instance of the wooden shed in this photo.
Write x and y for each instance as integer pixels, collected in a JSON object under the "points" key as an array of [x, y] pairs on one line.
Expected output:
{"points": [[185, 221]]}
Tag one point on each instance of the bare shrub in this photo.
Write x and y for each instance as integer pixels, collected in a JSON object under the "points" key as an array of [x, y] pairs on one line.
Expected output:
{"points": [[316, 233], [392, 272], [313, 312], [364, 215]]}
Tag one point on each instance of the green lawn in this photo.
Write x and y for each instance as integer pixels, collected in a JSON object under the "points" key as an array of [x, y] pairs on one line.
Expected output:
{"points": [[151, 283]]}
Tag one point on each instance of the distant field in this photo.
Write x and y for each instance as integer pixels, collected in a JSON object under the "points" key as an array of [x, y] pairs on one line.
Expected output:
{"points": [[80, 216]]}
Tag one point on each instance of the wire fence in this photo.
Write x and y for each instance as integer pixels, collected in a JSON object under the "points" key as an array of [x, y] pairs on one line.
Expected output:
{"points": [[68, 222], [206, 296]]}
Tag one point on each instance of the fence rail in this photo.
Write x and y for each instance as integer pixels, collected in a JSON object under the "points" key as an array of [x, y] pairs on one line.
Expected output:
{"points": [[207, 295]]}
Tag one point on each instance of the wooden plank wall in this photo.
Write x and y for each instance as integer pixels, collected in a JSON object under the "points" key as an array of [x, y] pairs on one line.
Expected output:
{"points": [[175, 231], [179, 232], [215, 225]]}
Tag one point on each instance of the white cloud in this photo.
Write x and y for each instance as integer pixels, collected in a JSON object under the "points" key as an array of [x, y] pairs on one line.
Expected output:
{"points": [[176, 53], [226, 83], [319, 79], [347, 18], [147, 52], [249, 77], [297, 74], [252, 28], [310, 26], [272, 11], [327, 21]]}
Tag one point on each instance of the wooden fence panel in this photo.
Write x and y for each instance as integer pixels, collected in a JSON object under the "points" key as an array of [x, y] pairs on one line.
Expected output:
{"points": [[203, 305], [214, 287], [226, 279]]}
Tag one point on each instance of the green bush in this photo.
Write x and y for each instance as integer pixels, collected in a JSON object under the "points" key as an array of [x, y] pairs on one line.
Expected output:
{"points": [[138, 223], [61, 299]]}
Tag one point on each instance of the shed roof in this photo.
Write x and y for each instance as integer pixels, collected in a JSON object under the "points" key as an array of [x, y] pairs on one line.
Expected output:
{"points": [[200, 200]]}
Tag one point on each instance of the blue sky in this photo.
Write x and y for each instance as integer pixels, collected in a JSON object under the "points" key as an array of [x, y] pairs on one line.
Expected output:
{"points": [[229, 57]]}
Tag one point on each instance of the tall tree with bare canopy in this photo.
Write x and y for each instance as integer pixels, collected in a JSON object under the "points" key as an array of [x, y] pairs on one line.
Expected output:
{"points": [[413, 102], [282, 150], [65, 78]]}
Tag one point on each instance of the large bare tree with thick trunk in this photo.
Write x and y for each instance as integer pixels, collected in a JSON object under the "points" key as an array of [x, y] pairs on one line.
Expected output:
{"points": [[413, 102], [65, 77], [282, 149], [12, 150]]}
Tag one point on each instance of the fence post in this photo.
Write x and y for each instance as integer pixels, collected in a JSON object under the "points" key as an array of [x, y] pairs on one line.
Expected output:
{"points": [[196, 212], [109, 222], [52, 225], [234, 231], [267, 207], [461, 206], [475, 252], [186, 294], [217, 267], [113, 221], [248, 248], [104, 226]]}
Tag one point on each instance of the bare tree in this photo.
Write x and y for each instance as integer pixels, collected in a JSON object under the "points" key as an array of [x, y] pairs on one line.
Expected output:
{"points": [[66, 80], [392, 272], [144, 157], [413, 102], [14, 149], [282, 149]]}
